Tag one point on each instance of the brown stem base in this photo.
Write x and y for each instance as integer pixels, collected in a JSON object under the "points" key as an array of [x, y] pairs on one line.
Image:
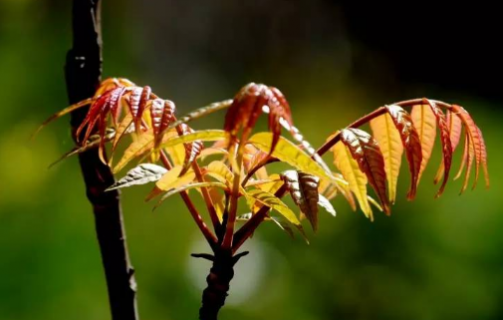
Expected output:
{"points": [[218, 280]]}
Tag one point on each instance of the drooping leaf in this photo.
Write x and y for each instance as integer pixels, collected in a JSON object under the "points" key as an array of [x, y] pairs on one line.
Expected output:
{"points": [[186, 187], [425, 122], [92, 143], [124, 127], [217, 199], [192, 149], [445, 139], [144, 144], [289, 153], [304, 191], [454, 127], [202, 135], [275, 182], [253, 158], [484, 159], [285, 226], [351, 172], [63, 112], [469, 163], [391, 147], [365, 150], [270, 200], [465, 156], [410, 142], [219, 171], [176, 153], [474, 139], [171, 180], [142, 174], [325, 204]]}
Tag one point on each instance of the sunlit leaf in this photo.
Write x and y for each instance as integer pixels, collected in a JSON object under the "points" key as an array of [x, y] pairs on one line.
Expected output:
{"points": [[410, 142], [142, 174], [171, 180], [304, 191], [425, 122], [325, 204], [248, 104], [445, 139], [192, 149], [92, 143], [365, 150], [454, 127], [474, 139], [270, 200], [484, 159], [203, 135], [197, 185], [254, 157], [391, 147], [220, 171], [289, 153], [144, 144], [63, 112], [354, 176]]}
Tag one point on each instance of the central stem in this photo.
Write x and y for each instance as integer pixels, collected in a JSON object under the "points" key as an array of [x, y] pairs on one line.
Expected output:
{"points": [[218, 280]]}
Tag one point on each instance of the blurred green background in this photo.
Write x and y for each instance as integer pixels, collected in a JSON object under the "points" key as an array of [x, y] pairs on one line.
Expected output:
{"points": [[335, 61]]}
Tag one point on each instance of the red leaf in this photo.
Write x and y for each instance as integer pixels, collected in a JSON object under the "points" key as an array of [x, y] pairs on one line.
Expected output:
{"points": [[445, 138], [192, 150], [474, 139], [365, 150], [484, 158], [411, 144], [250, 102]]}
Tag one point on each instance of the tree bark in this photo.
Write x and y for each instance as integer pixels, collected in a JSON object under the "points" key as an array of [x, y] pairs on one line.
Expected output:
{"points": [[83, 75]]}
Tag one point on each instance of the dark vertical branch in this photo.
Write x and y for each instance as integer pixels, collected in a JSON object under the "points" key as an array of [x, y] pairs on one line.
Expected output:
{"points": [[83, 74], [218, 280]]}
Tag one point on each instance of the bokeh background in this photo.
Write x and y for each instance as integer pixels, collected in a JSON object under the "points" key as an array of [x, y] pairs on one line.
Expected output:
{"points": [[335, 61]]}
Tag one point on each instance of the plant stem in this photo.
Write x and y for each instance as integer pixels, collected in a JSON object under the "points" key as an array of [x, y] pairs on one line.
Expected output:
{"points": [[83, 73], [330, 143], [251, 225], [218, 280], [231, 218], [208, 235]]}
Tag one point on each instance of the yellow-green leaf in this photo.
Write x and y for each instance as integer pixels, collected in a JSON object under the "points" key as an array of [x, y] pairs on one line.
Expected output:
{"points": [[353, 175], [203, 135], [171, 180], [273, 202], [136, 149], [288, 152], [390, 143], [190, 186], [425, 122], [219, 171]]}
